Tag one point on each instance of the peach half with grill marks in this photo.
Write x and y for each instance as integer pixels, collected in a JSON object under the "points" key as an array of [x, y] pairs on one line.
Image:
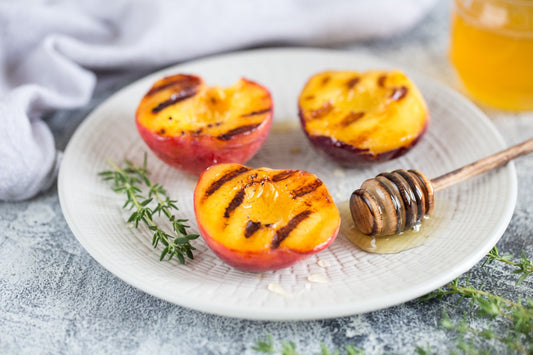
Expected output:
{"points": [[264, 219], [192, 126], [359, 118]]}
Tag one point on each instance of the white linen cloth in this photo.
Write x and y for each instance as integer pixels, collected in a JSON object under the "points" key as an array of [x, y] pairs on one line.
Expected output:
{"points": [[50, 52]]}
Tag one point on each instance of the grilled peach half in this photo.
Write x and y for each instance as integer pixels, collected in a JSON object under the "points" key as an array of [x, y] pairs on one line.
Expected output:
{"points": [[191, 126], [359, 118], [264, 219]]}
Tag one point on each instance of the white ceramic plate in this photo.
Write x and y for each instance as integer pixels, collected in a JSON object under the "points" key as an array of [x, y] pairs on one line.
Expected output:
{"points": [[467, 222]]}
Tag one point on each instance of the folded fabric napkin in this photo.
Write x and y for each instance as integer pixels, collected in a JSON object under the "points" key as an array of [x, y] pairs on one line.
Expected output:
{"points": [[51, 50]]}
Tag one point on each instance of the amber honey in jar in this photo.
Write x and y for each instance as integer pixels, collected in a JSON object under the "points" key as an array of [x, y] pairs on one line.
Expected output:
{"points": [[492, 51]]}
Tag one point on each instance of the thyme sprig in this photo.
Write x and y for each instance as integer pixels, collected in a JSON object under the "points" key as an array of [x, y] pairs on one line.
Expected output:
{"points": [[524, 266], [129, 180], [518, 335]]}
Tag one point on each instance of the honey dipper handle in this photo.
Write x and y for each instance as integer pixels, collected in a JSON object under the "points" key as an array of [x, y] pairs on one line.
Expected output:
{"points": [[481, 166]]}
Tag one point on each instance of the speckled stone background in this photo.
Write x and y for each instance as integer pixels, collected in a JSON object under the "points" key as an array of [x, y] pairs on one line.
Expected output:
{"points": [[54, 298]]}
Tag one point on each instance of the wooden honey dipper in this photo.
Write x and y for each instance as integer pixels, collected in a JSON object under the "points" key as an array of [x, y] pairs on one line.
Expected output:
{"points": [[394, 202]]}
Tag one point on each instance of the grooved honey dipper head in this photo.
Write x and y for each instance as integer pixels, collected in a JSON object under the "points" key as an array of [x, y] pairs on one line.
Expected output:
{"points": [[391, 202]]}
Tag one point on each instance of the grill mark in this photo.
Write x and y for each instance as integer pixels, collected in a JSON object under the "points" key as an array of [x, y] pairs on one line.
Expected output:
{"points": [[283, 175], [251, 228], [381, 80], [255, 113], [235, 202], [239, 196], [283, 232], [351, 118], [230, 175], [325, 80], [352, 82], [399, 93], [304, 190], [171, 83], [179, 96], [239, 130], [322, 111], [309, 97]]}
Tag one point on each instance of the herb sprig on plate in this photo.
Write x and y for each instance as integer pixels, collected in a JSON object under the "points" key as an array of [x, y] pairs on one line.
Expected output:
{"points": [[141, 194]]}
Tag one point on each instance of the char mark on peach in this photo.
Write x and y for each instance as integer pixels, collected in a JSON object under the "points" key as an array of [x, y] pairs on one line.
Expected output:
{"points": [[351, 118], [176, 97], [352, 82], [228, 176], [181, 80], [283, 175], [381, 80], [399, 93], [251, 228], [239, 196], [235, 202], [322, 111], [284, 231], [255, 113], [306, 189], [239, 130]]}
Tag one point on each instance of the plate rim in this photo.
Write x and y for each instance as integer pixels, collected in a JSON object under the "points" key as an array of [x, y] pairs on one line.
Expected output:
{"points": [[294, 314]]}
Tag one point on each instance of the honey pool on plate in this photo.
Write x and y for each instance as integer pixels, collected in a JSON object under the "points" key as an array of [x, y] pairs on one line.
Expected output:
{"points": [[390, 244], [492, 50]]}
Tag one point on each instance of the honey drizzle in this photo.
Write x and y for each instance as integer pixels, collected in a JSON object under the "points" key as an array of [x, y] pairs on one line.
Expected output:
{"points": [[390, 244]]}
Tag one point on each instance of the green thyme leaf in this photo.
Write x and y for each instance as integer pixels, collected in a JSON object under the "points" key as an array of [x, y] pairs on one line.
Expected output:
{"points": [[131, 180]]}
